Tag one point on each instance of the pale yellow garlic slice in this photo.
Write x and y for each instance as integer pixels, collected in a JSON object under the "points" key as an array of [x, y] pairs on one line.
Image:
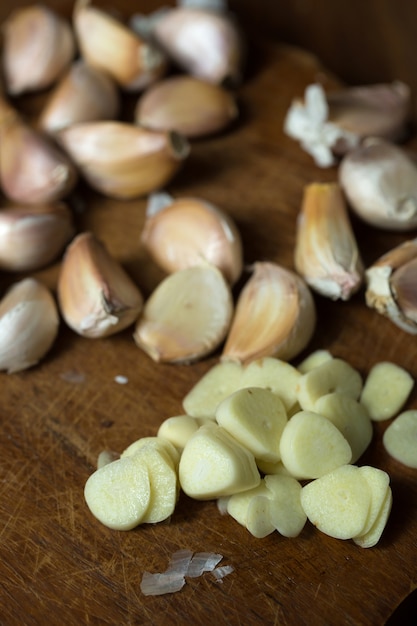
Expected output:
{"points": [[286, 513], [400, 437], [178, 429], [273, 374], [378, 482], [386, 390], [254, 517], [267, 467], [217, 383], [333, 375], [371, 538], [159, 443], [313, 360]]}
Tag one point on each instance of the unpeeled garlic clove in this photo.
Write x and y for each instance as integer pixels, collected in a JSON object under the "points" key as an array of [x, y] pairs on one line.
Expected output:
{"points": [[31, 237], [275, 316], [187, 231], [188, 105], [379, 180], [326, 253], [186, 317], [108, 44], [122, 160], [38, 45], [391, 286], [96, 296], [84, 94], [29, 324]]}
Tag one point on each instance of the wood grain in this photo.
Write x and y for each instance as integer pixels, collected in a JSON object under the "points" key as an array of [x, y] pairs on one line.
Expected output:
{"points": [[58, 565]]}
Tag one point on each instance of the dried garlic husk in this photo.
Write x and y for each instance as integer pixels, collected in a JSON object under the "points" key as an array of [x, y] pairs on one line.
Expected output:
{"points": [[185, 231], [29, 324], [38, 45], [112, 46], [84, 94], [380, 183], [33, 236], [186, 317], [391, 286], [96, 296], [188, 105], [275, 316], [326, 252], [122, 160]]}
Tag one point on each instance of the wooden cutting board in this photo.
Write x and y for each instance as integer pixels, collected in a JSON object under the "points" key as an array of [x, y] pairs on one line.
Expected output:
{"points": [[58, 565]]}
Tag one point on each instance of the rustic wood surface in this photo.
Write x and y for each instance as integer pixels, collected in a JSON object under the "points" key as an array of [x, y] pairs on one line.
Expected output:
{"points": [[58, 565]]}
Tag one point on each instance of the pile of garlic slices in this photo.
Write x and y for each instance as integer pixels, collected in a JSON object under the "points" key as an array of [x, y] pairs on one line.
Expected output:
{"points": [[275, 445]]}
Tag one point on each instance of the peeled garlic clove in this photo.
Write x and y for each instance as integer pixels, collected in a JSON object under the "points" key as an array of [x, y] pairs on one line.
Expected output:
{"points": [[84, 94], [38, 45], [96, 296], [28, 325], [189, 230], [122, 160], [108, 44], [391, 286], [275, 316], [326, 252], [33, 236], [186, 317], [380, 183], [188, 105]]}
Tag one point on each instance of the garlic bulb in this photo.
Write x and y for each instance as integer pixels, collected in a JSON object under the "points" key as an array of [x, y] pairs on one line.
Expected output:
{"points": [[29, 324], [96, 296], [33, 236], [122, 160], [326, 252], [84, 94], [38, 45], [275, 316], [188, 230]]}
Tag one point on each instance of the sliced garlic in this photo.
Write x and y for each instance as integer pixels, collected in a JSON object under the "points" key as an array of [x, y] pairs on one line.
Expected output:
{"points": [[386, 390], [333, 375], [326, 252], [399, 438], [186, 317], [275, 316], [313, 360], [217, 383], [188, 231], [96, 296], [28, 325]]}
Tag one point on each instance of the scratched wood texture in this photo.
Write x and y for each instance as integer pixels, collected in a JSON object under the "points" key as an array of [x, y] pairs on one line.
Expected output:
{"points": [[58, 565]]}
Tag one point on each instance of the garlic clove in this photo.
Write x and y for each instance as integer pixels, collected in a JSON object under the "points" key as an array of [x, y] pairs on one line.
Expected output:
{"points": [[188, 105], [96, 296], [186, 317], [38, 45], [108, 44], [275, 316], [122, 160], [84, 94], [31, 237], [326, 253], [189, 230], [29, 324], [379, 180]]}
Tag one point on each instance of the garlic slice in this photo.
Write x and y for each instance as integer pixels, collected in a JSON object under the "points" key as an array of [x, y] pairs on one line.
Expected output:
{"points": [[96, 296], [326, 252], [186, 317], [187, 231], [275, 316], [29, 324]]}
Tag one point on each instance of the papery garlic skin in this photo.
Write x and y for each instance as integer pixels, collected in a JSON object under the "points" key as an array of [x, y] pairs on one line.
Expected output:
{"points": [[29, 323], [326, 253], [275, 315], [96, 296], [379, 180]]}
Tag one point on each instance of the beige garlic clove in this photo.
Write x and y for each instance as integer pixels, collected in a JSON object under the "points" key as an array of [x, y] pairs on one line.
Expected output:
{"points": [[275, 316], [186, 317], [188, 105], [96, 296], [38, 45], [186, 231], [379, 180], [326, 253], [29, 323], [110, 45], [84, 94], [391, 286], [122, 160], [31, 237]]}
